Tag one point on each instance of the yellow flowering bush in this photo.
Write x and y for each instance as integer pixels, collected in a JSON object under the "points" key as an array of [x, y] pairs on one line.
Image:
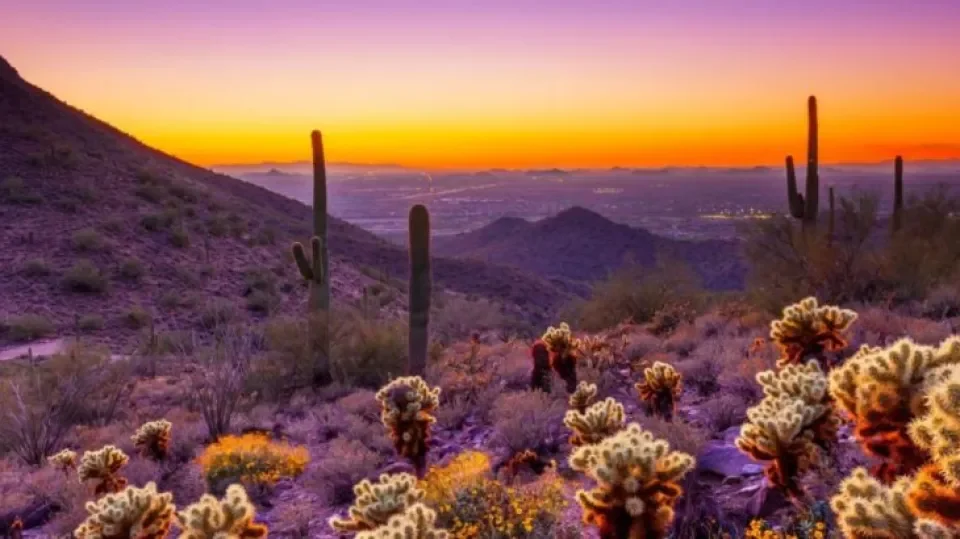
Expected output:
{"points": [[251, 459], [470, 503]]}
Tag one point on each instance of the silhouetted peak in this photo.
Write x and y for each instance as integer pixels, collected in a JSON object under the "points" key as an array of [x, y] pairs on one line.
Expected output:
{"points": [[7, 71], [581, 215]]}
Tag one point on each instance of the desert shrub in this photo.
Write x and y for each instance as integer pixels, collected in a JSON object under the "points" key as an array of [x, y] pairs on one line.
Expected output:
{"points": [[137, 318], [457, 317], [90, 322], [683, 341], [701, 374], [529, 420], [180, 238], [28, 327], [155, 222], [218, 385], [90, 388], [345, 463], [470, 503], [943, 301], [260, 301], [36, 267], [87, 240], [151, 193], [723, 412], [635, 293], [251, 459], [218, 226], [682, 436], [13, 190], [183, 192], [217, 312], [861, 262], [370, 353], [131, 269], [86, 278]]}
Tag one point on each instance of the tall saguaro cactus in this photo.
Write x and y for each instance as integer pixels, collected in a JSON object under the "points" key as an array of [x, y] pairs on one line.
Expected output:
{"points": [[806, 206], [897, 218], [315, 269], [420, 289]]}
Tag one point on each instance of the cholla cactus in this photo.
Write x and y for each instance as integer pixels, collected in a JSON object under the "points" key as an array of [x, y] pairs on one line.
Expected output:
{"points": [[864, 507], [229, 518], [376, 503], [407, 405], [584, 396], [142, 513], [883, 390], [104, 466], [638, 482], [808, 384], [563, 353], [65, 460], [808, 330], [780, 430], [660, 388], [598, 351], [417, 522], [153, 439], [540, 376], [601, 420]]}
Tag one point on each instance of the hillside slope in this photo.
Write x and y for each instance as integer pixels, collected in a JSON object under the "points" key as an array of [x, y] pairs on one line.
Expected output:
{"points": [[582, 245], [95, 224]]}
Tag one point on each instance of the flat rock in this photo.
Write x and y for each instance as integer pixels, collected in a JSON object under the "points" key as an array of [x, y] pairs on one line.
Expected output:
{"points": [[725, 460], [37, 349]]}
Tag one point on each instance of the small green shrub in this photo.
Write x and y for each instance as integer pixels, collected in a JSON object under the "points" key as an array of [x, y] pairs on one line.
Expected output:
{"points": [[369, 353], [86, 278], [151, 193], [179, 238], [218, 226], [87, 240], [28, 327], [260, 301], [131, 269], [183, 192], [13, 190], [137, 318], [36, 267], [155, 222], [90, 322]]}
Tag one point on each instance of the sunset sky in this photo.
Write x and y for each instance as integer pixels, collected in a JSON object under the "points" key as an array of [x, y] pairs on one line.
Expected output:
{"points": [[504, 83]]}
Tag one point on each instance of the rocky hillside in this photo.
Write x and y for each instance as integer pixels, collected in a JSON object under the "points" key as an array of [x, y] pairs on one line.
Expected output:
{"points": [[582, 245], [99, 232]]}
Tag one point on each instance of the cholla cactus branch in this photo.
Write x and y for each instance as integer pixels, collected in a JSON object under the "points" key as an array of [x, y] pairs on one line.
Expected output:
{"points": [[637, 484], [417, 522], [864, 507], [375, 503], [584, 396], [104, 466], [407, 407], [660, 388], [229, 518], [563, 353], [65, 460], [140, 513], [601, 420], [807, 329]]}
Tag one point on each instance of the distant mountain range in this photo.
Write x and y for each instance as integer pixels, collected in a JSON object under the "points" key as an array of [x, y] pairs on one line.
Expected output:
{"points": [[582, 245]]}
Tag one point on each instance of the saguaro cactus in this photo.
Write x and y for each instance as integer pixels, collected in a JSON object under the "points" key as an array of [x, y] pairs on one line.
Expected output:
{"points": [[316, 268], [805, 207], [420, 289], [897, 218], [832, 223]]}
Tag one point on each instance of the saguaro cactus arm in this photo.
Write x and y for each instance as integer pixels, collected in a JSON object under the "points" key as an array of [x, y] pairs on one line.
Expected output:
{"points": [[794, 198], [897, 193]]}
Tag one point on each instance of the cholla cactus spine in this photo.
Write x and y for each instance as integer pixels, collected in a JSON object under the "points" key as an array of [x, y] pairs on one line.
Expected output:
{"points": [[601, 420], [637, 483], [407, 407], [660, 389], [231, 517], [153, 439], [375, 503], [143, 513], [104, 465]]}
